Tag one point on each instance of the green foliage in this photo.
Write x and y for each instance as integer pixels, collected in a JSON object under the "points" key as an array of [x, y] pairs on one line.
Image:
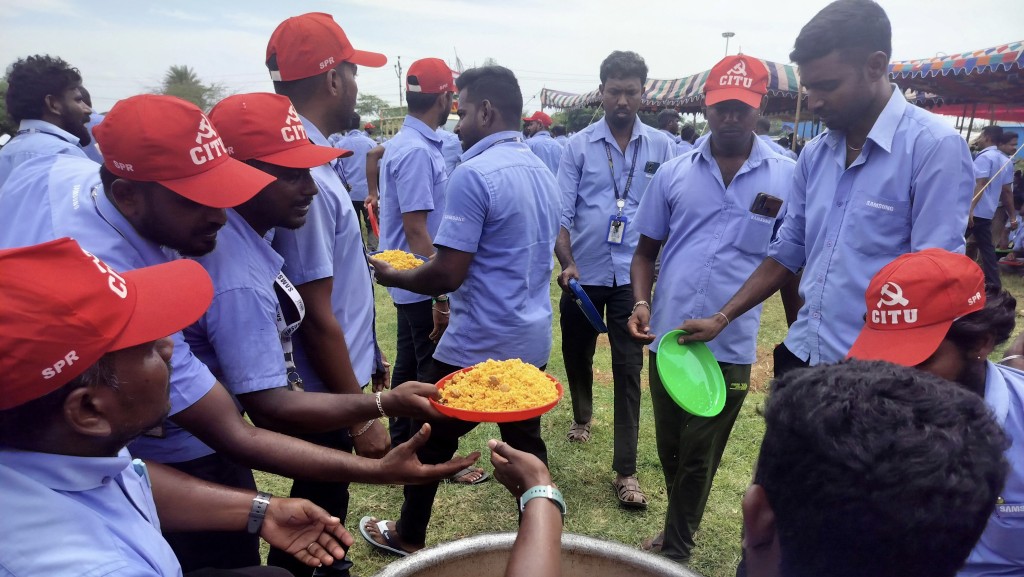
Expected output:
{"points": [[576, 119], [369, 106], [183, 82]]}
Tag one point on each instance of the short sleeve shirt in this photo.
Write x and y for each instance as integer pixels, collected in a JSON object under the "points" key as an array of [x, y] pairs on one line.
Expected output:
{"points": [[36, 138]]}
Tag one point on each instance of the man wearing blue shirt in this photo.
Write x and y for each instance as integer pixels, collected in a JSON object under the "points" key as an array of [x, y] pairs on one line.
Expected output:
{"points": [[558, 133], [929, 310], [993, 173], [541, 142], [886, 178], [763, 127], [44, 97], [451, 147], [668, 123], [64, 425], [603, 174], [494, 255], [411, 203], [95, 118], [715, 211], [352, 171], [133, 223]]}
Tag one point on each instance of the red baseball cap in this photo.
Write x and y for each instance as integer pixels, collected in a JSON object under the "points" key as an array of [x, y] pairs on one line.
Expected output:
{"points": [[369, 126], [310, 45], [265, 126], [737, 77], [64, 309], [170, 141], [913, 301], [539, 117], [429, 76]]}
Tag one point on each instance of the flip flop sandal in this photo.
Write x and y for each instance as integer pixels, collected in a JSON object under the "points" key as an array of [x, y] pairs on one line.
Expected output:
{"points": [[391, 547], [579, 433], [629, 493], [454, 479]]}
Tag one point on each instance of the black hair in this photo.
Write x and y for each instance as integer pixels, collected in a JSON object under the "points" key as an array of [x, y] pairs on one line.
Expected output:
{"points": [[498, 85], [863, 463], [420, 102], [687, 132], [558, 130], [996, 319], [86, 97], [356, 122], [764, 124], [992, 132], [855, 28], [30, 80], [1006, 137], [665, 117], [27, 420], [624, 65]]}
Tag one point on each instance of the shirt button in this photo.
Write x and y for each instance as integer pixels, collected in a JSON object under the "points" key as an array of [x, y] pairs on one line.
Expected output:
{"points": [[707, 265], [816, 315], [828, 244], [716, 237], [839, 204], [701, 291]]}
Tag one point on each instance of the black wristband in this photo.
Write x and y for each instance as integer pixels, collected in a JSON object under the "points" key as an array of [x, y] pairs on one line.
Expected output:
{"points": [[259, 510]]}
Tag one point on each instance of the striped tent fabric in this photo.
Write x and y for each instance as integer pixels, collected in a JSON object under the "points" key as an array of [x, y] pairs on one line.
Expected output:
{"points": [[988, 76]]}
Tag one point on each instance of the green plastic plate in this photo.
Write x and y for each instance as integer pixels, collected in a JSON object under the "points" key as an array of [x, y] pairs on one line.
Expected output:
{"points": [[691, 375]]}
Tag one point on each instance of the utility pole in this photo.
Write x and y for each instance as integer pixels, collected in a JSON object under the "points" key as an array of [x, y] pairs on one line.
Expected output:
{"points": [[398, 72]]}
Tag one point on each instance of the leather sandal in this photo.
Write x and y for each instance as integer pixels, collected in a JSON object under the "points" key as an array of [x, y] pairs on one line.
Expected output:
{"points": [[628, 491]]}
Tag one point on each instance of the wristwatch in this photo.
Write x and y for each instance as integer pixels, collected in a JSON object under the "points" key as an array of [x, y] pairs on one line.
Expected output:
{"points": [[259, 510], [545, 491]]}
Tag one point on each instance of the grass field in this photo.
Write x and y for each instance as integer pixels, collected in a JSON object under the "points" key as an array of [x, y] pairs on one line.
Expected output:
{"points": [[583, 471]]}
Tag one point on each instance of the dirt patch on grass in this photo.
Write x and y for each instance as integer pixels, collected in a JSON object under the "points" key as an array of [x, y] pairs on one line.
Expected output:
{"points": [[762, 369]]}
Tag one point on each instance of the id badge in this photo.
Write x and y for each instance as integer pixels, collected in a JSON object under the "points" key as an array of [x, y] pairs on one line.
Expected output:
{"points": [[616, 229]]}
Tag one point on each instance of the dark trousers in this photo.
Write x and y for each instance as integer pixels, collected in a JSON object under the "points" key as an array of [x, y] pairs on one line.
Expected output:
{"points": [[443, 442], [216, 549], [785, 361], [690, 449], [579, 342], [413, 357], [982, 232], [331, 496]]}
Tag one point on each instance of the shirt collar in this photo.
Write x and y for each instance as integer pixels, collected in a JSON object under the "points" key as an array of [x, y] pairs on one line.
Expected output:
{"points": [[36, 125], [489, 141], [997, 393], [884, 129], [542, 134], [422, 128], [313, 133], [66, 472], [603, 131], [758, 152], [150, 251]]}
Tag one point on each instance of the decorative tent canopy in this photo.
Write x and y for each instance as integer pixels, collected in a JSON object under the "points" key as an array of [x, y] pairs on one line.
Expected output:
{"points": [[992, 75], [687, 94]]}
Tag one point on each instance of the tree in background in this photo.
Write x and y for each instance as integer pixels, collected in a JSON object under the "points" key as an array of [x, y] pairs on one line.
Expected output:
{"points": [[7, 125], [369, 106], [576, 119], [183, 82]]}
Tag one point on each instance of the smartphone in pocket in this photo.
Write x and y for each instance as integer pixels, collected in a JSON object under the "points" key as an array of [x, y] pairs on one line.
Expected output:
{"points": [[766, 205]]}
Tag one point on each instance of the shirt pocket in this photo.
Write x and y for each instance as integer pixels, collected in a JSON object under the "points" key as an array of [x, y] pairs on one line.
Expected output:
{"points": [[878, 225], [754, 234]]}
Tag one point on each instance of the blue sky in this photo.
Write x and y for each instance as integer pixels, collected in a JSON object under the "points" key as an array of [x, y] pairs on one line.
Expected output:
{"points": [[123, 48]]}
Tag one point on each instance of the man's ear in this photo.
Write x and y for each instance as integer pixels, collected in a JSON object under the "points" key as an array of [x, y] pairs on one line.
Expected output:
{"points": [[876, 65], [85, 411], [760, 540], [52, 104], [127, 197], [984, 348]]}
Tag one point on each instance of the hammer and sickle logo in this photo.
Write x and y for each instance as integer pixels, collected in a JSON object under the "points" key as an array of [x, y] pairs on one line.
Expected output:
{"points": [[892, 294]]}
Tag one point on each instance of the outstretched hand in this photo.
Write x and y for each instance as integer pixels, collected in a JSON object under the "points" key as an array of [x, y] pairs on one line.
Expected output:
{"points": [[402, 466], [517, 470], [411, 400], [305, 531]]}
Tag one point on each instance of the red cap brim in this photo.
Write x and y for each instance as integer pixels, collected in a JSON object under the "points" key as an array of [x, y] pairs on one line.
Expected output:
{"points": [[225, 186], [371, 59], [304, 156], [169, 297], [907, 347], [745, 96]]}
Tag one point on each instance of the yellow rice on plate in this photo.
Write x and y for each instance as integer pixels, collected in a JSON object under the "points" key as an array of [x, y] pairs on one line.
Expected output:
{"points": [[399, 259], [499, 386]]}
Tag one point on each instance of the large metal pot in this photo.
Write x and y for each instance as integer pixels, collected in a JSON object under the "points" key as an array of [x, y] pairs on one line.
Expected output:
{"points": [[486, 555]]}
